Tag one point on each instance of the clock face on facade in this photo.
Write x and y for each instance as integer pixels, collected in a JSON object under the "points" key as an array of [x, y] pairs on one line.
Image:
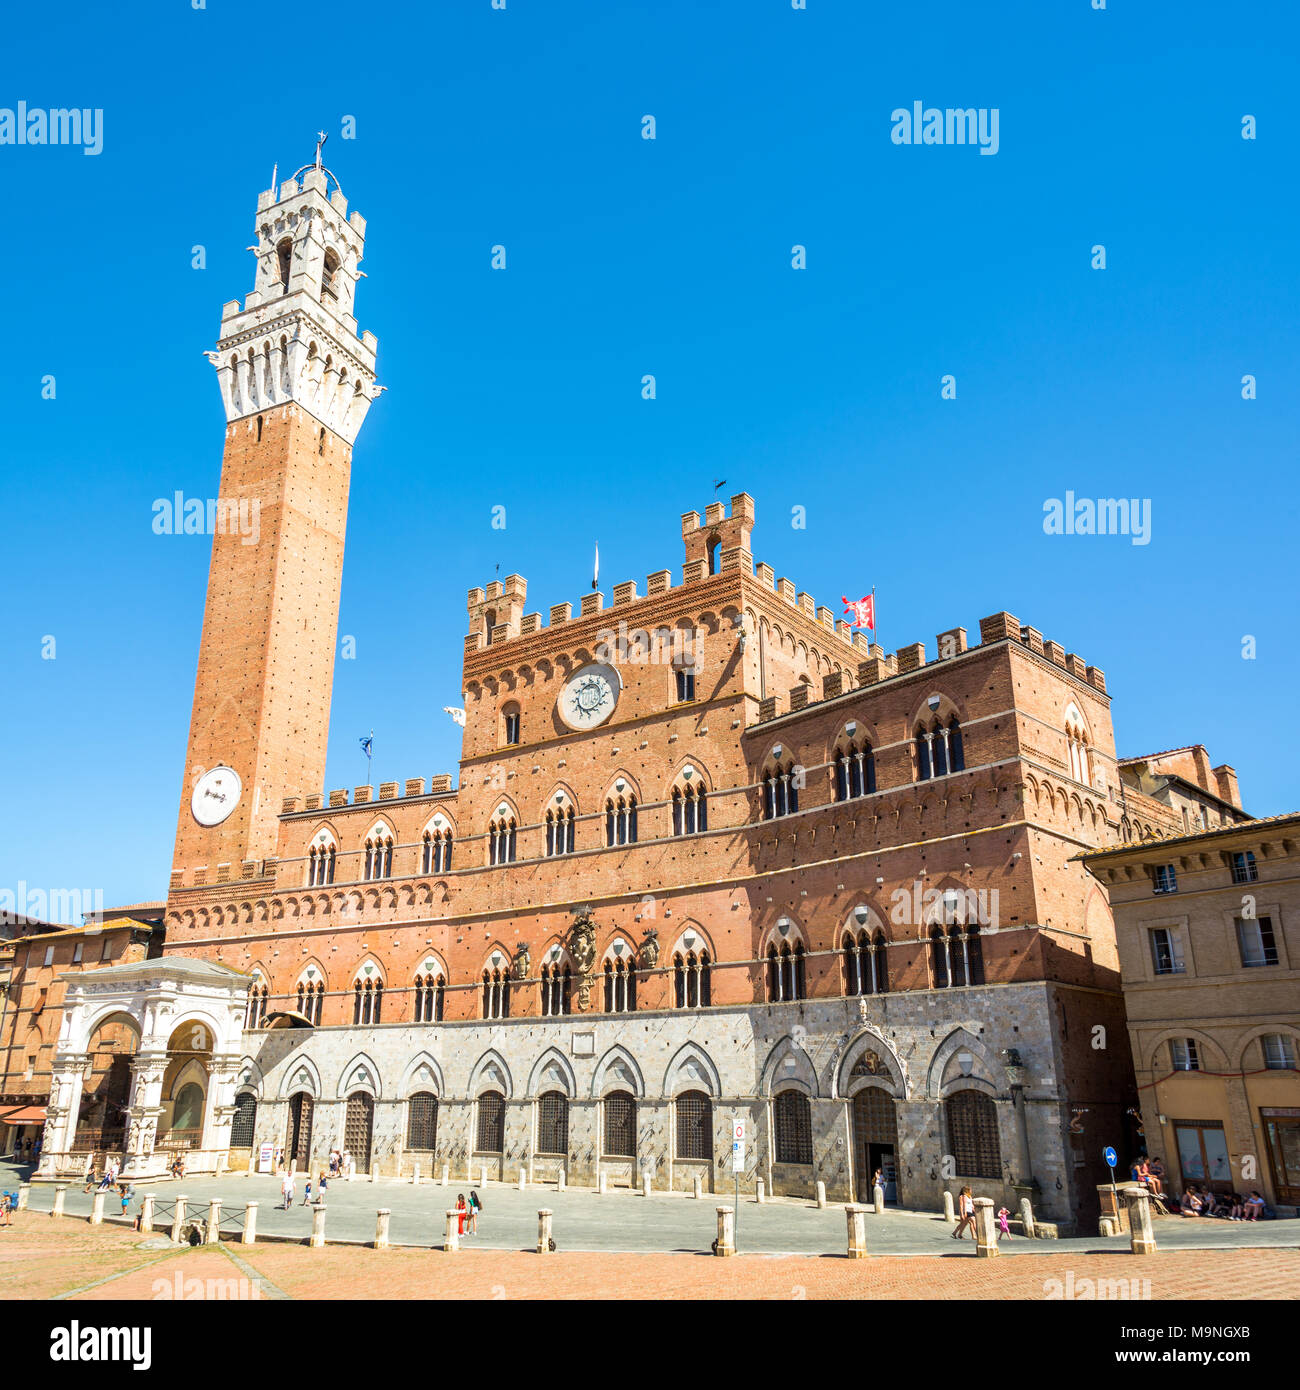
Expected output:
{"points": [[589, 696], [216, 794]]}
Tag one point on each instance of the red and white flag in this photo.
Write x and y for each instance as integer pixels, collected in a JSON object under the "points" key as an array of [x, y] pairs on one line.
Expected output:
{"points": [[862, 611]]}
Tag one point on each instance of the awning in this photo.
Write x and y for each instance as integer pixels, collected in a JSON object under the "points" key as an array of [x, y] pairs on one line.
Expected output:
{"points": [[25, 1115], [287, 1018]]}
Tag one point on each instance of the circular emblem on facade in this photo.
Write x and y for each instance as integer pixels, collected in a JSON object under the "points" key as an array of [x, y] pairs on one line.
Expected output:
{"points": [[216, 794], [589, 696]]}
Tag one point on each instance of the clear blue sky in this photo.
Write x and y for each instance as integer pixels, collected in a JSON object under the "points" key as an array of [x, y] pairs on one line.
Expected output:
{"points": [[818, 388]]}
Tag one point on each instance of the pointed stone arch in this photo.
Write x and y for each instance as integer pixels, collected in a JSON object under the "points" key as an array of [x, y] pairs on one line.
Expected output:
{"points": [[618, 1070], [423, 1073], [872, 1055], [301, 1076], [944, 1073], [776, 1075], [360, 1074], [491, 1073], [553, 1071], [692, 1069]]}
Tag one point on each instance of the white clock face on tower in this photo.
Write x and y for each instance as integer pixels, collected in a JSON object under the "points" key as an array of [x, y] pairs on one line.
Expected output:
{"points": [[216, 794], [589, 696]]}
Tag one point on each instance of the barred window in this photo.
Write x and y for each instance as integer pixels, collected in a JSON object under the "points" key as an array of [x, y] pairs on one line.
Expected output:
{"points": [[244, 1121], [972, 1121], [620, 1125], [430, 990], [422, 1122], [553, 1123], [694, 1125], [491, 1131], [793, 1127]]}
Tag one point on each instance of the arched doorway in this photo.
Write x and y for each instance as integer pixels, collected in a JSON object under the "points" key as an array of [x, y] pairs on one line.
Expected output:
{"points": [[106, 1091], [875, 1142], [357, 1128], [297, 1151], [185, 1088]]}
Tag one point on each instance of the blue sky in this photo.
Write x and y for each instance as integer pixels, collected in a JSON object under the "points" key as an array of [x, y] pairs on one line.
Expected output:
{"points": [[817, 388]]}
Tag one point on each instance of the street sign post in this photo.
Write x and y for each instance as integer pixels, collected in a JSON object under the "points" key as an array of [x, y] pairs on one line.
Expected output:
{"points": [[737, 1163], [1112, 1158]]}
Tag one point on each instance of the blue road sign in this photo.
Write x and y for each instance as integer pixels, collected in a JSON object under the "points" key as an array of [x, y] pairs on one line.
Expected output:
{"points": [[1109, 1154]]}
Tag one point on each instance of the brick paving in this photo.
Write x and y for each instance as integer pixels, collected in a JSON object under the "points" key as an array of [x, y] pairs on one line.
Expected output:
{"points": [[42, 1258]]}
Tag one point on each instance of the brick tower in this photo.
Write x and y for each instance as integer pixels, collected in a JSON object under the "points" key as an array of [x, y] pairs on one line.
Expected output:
{"points": [[296, 382]]}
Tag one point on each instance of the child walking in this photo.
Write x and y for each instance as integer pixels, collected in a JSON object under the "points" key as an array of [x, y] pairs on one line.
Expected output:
{"points": [[1004, 1224]]}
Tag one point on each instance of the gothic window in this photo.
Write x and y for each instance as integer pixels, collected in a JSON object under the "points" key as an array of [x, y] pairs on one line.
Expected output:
{"points": [[510, 724], [501, 840], [855, 771], [620, 986], [972, 1123], [255, 1010], [781, 789], [690, 813], [496, 993], [620, 820], [559, 830], [692, 987], [491, 1129], [422, 1122], [685, 677], [940, 974], [379, 854], [329, 276], [244, 1121], [1076, 740], [311, 998], [320, 863], [367, 1001], [430, 991], [939, 749], [556, 986], [437, 852], [284, 260], [553, 1123], [793, 1115], [864, 963], [785, 973], [694, 1125], [620, 1125]]}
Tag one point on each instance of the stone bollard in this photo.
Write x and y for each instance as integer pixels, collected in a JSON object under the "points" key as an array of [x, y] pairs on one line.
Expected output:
{"points": [[726, 1242], [399, 1167], [821, 1196], [415, 1175], [645, 1184], [374, 1172], [1142, 1237], [559, 1181], [482, 1182], [523, 1179], [760, 1192], [949, 1215], [878, 1199], [857, 1219], [986, 1236], [214, 1221], [1106, 1226], [97, 1208], [1027, 1217], [446, 1173], [317, 1227], [249, 1234], [697, 1188], [179, 1219], [381, 1228], [24, 1192], [544, 1231], [352, 1172], [600, 1185], [451, 1237], [146, 1212], [59, 1193]]}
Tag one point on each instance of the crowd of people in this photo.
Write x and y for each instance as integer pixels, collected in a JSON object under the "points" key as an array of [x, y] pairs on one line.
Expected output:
{"points": [[1196, 1201]]}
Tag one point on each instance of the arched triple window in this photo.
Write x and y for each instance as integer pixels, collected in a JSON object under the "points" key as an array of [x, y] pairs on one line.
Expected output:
{"points": [[855, 770], [311, 1000], [690, 809], [939, 749], [1076, 739], [956, 957], [255, 1010], [559, 830], [501, 840], [694, 1116], [553, 1123], [972, 1123], [367, 1001], [430, 993], [437, 851], [557, 982], [781, 789], [865, 965], [320, 863], [496, 993], [379, 854], [785, 972], [619, 1129], [620, 820], [620, 986], [692, 986], [793, 1123]]}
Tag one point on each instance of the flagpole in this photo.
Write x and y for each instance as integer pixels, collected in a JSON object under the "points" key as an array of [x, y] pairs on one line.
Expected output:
{"points": [[875, 631], [370, 753]]}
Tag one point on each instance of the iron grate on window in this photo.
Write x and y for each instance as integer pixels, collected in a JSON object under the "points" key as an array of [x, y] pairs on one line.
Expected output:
{"points": [[973, 1135], [491, 1131], [793, 1127], [553, 1123], [422, 1122], [620, 1125], [694, 1125]]}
